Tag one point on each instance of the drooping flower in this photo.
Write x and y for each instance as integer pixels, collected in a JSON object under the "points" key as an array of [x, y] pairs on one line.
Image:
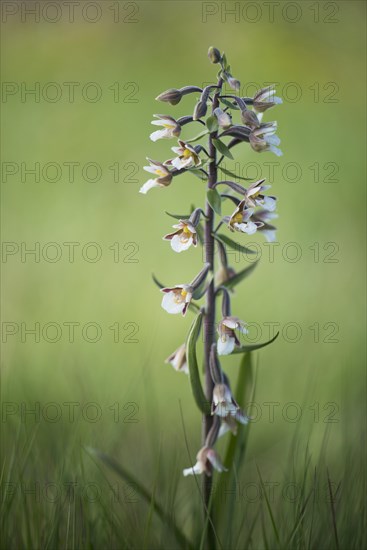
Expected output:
{"points": [[240, 220], [224, 404], [264, 99], [187, 156], [255, 196], [184, 236], [264, 139], [164, 176], [171, 128], [177, 299], [178, 360], [227, 337], [224, 119], [206, 459]]}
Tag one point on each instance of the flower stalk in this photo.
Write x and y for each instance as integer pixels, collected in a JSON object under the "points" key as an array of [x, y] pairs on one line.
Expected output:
{"points": [[221, 336]]}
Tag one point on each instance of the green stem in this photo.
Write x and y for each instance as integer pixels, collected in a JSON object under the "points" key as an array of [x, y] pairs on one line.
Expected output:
{"points": [[209, 320]]}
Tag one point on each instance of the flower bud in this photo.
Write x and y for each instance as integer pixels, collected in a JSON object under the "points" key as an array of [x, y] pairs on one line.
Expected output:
{"points": [[214, 55], [172, 96], [200, 110], [250, 119], [234, 83]]}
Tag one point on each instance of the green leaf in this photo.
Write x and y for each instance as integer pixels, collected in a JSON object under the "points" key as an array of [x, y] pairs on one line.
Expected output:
{"points": [[240, 276], [232, 174], [229, 104], [196, 386], [224, 62], [215, 200], [237, 445], [253, 347], [199, 136], [142, 491], [222, 148], [198, 173], [212, 123], [177, 216], [232, 244], [158, 283]]}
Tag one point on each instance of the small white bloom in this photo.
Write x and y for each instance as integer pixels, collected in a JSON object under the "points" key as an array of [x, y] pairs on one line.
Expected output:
{"points": [[224, 119], [264, 139], [178, 360], [206, 459], [255, 196], [227, 337], [164, 176], [177, 299], [240, 219], [171, 128], [184, 237], [224, 404], [187, 157], [264, 99]]}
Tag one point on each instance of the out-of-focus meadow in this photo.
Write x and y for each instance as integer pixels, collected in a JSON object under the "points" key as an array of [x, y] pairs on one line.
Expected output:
{"points": [[94, 372]]}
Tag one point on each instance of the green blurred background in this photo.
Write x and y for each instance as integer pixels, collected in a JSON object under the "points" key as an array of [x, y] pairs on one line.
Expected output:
{"points": [[154, 46]]}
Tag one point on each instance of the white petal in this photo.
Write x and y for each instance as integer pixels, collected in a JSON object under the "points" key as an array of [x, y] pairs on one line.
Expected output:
{"points": [[170, 304], [272, 140], [275, 150], [177, 163], [197, 469], [241, 418], [178, 245], [224, 428], [148, 185], [159, 134], [185, 368], [250, 228], [151, 169], [230, 322], [270, 204], [270, 235], [225, 345]]}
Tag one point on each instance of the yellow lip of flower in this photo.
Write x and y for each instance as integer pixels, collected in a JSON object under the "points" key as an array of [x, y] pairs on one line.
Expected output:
{"points": [[186, 230], [171, 125], [237, 218], [160, 172], [187, 153], [183, 293]]}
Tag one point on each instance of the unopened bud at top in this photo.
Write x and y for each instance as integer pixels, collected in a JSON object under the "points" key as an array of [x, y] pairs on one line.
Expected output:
{"points": [[214, 55], [172, 96]]}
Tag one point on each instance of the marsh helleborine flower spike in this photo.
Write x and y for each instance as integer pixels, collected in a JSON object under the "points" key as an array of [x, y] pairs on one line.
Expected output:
{"points": [[253, 212]]}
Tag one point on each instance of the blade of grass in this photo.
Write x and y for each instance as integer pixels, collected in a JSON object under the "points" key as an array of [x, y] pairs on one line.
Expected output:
{"points": [[141, 490], [268, 506], [333, 514]]}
